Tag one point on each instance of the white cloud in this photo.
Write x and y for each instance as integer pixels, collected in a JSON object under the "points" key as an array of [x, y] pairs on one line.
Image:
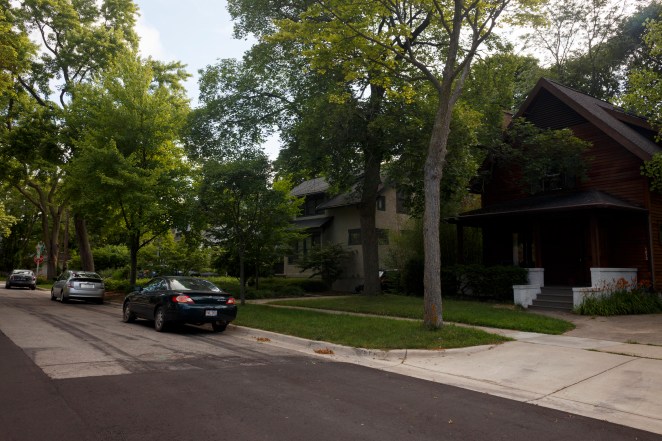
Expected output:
{"points": [[150, 40]]}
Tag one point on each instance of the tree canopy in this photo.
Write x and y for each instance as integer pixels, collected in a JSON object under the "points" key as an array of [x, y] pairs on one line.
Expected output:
{"points": [[129, 167]]}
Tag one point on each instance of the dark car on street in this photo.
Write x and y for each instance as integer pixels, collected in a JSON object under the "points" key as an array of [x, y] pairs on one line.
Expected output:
{"points": [[171, 300], [80, 285], [21, 277]]}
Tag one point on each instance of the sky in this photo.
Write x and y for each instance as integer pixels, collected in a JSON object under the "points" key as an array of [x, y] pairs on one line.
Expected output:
{"points": [[194, 32]]}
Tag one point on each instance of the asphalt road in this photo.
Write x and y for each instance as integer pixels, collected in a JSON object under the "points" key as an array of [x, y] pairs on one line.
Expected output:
{"points": [[75, 371]]}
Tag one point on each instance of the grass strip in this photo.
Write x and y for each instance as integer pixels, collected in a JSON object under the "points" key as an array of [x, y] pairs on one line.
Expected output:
{"points": [[457, 311], [361, 332]]}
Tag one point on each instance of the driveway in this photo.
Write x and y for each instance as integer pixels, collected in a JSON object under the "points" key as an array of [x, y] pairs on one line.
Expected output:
{"points": [[642, 329]]}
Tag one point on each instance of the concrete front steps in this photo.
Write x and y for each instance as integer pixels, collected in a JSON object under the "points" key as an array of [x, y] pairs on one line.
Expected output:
{"points": [[553, 298]]}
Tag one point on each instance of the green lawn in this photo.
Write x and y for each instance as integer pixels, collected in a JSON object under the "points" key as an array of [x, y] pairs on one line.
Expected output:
{"points": [[457, 311], [360, 332]]}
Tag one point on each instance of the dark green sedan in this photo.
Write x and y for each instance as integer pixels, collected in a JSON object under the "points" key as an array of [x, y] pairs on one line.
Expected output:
{"points": [[173, 300]]}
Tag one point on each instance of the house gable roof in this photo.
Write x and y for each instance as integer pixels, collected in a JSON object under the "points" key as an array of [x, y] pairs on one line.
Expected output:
{"points": [[312, 186], [320, 185], [542, 107]]}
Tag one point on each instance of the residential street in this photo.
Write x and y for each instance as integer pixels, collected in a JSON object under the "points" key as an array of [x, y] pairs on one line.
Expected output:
{"points": [[75, 371]]}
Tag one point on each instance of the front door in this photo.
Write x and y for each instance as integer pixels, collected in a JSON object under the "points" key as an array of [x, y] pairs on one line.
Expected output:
{"points": [[564, 252]]}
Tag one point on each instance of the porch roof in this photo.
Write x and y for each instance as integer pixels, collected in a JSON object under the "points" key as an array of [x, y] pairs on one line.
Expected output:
{"points": [[316, 222], [586, 200]]}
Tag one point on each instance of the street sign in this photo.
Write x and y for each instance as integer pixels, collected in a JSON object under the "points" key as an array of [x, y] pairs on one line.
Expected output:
{"points": [[38, 259]]}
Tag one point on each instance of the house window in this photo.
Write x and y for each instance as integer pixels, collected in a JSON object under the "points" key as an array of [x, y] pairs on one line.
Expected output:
{"points": [[401, 202], [554, 181], [382, 236], [381, 203], [354, 236], [523, 249], [294, 254], [315, 240], [311, 203]]}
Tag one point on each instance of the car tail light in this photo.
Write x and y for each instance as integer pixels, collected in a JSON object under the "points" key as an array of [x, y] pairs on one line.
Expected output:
{"points": [[182, 298], [230, 301]]}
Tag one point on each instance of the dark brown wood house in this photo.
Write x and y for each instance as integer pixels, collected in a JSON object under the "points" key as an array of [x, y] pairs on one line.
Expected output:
{"points": [[610, 219]]}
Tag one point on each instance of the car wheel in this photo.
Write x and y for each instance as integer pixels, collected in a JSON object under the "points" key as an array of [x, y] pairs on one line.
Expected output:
{"points": [[219, 326], [52, 295], [159, 320], [7, 285], [127, 315], [33, 287]]}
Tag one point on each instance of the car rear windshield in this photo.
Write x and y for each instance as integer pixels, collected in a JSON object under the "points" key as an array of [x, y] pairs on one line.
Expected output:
{"points": [[85, 275], [27, 272], [193, 285]]}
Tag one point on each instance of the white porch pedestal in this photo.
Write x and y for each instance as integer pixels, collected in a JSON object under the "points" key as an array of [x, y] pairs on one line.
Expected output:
{"points": [[523, 295], [603, 281]]}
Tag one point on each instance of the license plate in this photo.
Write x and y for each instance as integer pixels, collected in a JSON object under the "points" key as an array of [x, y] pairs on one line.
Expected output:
{"points": [[87, 285], [211, 313]]}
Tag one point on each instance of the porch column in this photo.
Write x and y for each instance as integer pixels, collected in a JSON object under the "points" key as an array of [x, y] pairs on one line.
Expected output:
{"points": [[596, 260], [537, 255]]}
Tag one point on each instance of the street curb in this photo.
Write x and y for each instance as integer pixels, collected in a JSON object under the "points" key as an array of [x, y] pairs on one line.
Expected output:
{"points": [[327, 349]]}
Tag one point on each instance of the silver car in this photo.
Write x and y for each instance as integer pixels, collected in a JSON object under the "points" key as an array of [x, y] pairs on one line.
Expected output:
{"points": [[81, 285], [21, 277]]}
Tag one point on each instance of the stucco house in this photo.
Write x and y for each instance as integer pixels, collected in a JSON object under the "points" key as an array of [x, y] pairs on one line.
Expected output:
{"points": [[576, 235], [327, 220]]}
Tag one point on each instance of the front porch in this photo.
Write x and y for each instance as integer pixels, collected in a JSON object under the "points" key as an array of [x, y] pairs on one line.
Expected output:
{"points": [[536, 295]]}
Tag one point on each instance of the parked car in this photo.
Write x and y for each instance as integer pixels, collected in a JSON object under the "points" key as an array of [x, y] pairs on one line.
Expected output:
{"points": [[21, 277], [180, 299], [81, 285]]}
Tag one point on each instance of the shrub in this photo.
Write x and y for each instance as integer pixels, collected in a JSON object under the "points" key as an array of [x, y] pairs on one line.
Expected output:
{"points": [[621, 298], [117, 285], [495, 282], [313, 285], [327, 262]]}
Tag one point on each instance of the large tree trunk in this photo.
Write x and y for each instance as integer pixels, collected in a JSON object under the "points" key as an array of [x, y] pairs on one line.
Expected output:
{"points": [[134, 247], [65, 242], [432, 316], [242, 278], [51, 238], [369, 239], [86, 258], [372, 162]]}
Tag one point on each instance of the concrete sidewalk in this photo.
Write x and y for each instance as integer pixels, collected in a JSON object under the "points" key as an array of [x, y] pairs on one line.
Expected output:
{"points": [[608, 380]]}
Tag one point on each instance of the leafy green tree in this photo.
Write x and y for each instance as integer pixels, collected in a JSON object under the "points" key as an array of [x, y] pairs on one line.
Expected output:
{"points": [[129, 165], [6, 221], [75, 41], [543, 154], [345, 140], [592, 45], [326, 262], [246, 214], [435, 40], [644, 94]]}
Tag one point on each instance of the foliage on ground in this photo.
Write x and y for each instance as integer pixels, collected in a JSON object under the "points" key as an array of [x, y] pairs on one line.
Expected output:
{"points": [[622, 299], [456, 311], [361, 332]]}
